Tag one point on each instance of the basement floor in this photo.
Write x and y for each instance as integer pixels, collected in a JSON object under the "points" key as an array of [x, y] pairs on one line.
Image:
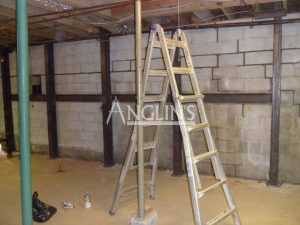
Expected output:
{"points": [[257, 204]]}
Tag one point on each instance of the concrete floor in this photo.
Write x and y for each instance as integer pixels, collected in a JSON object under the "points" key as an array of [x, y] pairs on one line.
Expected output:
{"points": [[257, 204]]}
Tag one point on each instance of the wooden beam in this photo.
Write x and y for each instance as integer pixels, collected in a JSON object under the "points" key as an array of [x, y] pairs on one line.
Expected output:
{"points": [[177, 138], [51, 101], [275, 122], [107, 103], [7, 104], [154, 7]]}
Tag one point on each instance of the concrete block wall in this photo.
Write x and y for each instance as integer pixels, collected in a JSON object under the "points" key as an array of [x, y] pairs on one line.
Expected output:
{"points": [[227, 60], [77, 71]]}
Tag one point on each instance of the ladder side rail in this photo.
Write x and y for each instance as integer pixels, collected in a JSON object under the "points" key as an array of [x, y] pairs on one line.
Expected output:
{"points": [[186, 139], [179, 35], [219, 172], [125, 168]]}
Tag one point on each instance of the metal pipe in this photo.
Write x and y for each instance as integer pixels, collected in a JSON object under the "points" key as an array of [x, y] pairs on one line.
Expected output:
{"points": [[24, 120], [140, 131]]}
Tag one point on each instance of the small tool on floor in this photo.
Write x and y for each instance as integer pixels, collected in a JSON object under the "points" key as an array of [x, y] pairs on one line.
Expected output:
{"points": [[67, 205]]}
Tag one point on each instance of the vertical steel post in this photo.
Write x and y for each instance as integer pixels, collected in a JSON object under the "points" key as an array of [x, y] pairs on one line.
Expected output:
{"points": [[24, 120], [7, 103], [276, 96], [140, 131]]}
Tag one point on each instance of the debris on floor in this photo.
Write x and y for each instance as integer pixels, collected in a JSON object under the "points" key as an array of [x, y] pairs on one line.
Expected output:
{"points": [[41, 212], [67, 205]]}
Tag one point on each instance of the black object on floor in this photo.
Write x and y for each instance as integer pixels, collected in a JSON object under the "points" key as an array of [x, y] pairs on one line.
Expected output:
{"points": [[41, 212]]}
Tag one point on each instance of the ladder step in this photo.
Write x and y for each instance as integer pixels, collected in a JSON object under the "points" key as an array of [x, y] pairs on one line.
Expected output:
{"points": [[211, 188], [182, 70], [157, 73], [197, 127], [176, 43], [145, 165], [204, 156], [190, 98], [135, 186], [154, 98], [156, 44], [221, 216], [149, 145]]}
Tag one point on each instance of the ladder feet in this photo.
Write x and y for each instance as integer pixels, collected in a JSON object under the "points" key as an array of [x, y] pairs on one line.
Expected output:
{"points": [[111, 212], [152, 196]]}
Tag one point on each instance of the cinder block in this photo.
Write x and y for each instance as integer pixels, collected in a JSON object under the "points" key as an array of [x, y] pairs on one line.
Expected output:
{"points": [[228, 146], [204, 73], [228, 134], [157, 64], [291, 29], [255, 135], [87, 135], [259, 57], [91, 107], [258, 32], [214, 48], [249, 122], [231, 60], [203, 36], [230, 33], [86, 116], [90, 126], [290, 41], [123, 65], [90, 67], [73, 88], [231, 158], [90, 88], [287, 70], [239, 72], [123, 76], [205, 61], [257, 85], [290, 83], [297, 70], [257, 109], [256, 44], [61, 79], [291, 56], [297, 96], [287, 97], [95, 78], [230, 85]]}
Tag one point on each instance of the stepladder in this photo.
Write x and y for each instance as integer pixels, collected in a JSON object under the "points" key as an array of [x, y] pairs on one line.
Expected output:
{"points": [[167, 46]]}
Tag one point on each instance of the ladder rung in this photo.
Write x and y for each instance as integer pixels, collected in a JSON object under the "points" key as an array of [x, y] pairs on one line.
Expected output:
{"points": [[158, 73], [135, 186], [149, 145], [182, 70], [145, 165], [156, 44], [197, 127], [190, 98], [220, 217], [211, 188], [176, 43], [154, 98], [204, 156]]}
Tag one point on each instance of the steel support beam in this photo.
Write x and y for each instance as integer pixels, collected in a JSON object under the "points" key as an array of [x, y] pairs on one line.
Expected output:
{"points": [[7, 104], [107, 99], [276, 97], [139, 88], [51, 101], [24, 118], [177, 138]]}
